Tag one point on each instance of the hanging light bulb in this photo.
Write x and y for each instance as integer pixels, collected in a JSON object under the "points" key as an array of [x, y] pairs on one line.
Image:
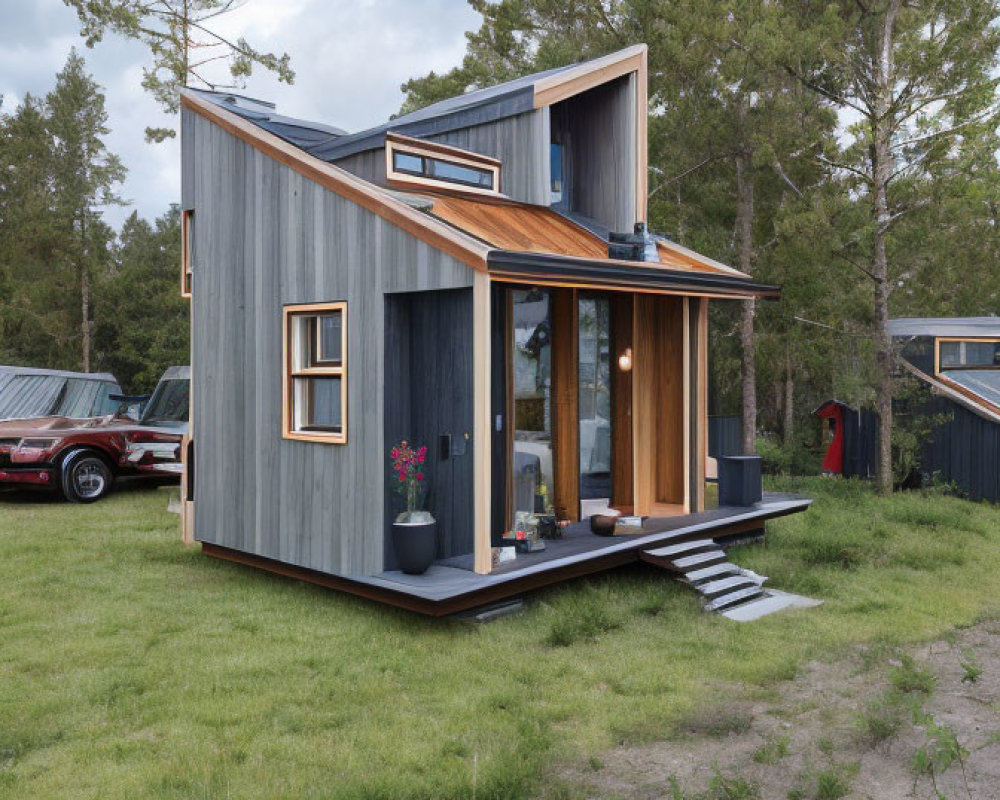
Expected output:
{"points": [[625, 360]]}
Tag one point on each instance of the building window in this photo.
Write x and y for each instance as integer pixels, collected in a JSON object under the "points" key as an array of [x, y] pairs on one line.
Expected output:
{"points": [[556, 172], [315, 372], [415, 161], [969, 353], [187, 228]]}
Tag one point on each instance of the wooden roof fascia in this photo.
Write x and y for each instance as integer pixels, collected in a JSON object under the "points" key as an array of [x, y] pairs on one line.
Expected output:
{"points": [[469, 251], [691, 255], [945, 388], [582, 77], [430, 146]]}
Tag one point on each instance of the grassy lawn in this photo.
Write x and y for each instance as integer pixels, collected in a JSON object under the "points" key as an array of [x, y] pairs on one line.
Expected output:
{"points": [[131, 666]]}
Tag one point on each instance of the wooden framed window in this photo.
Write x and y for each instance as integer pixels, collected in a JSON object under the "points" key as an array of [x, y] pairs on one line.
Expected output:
{"points": [[968, 353], [314, 400], [415, 161], [187, 224]]}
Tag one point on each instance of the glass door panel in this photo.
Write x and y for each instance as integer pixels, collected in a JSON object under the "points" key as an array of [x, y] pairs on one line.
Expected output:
{"points": [[532, 391], [594, 314]]}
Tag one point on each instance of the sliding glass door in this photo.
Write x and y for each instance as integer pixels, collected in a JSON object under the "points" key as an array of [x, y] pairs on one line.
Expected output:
{"points": [[594, 387]]}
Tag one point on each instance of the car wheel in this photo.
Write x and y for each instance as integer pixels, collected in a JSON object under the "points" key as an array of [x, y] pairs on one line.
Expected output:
{"points": [[86, 477]]}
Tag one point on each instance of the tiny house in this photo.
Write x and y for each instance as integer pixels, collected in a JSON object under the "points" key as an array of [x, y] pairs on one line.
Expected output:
{"points": [[956, 362], [474, 276]]}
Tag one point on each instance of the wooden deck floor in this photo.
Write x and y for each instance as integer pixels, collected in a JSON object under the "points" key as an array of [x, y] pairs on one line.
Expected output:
{"points": [[451, 586]]}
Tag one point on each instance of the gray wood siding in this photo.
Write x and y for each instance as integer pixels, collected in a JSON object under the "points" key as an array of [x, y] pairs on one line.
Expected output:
{"points": [[521, 142], [598, 130], [267, 237], [369, 165]]}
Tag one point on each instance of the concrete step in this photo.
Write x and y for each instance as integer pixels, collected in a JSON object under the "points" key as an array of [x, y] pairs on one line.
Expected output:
{"points": [[684, 548], [713, 589], [734, 597], [699, 560], [696, 576], [771, 602]]}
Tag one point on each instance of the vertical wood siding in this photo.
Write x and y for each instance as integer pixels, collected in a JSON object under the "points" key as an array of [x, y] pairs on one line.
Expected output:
{"points": [[368, 165], [267, 237], [521, 143], [597, 129]]}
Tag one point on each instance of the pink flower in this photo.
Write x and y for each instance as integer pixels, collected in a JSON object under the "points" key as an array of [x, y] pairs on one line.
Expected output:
{"points": [[420, 476], [394, 452], [420, 458], [402, 477]]}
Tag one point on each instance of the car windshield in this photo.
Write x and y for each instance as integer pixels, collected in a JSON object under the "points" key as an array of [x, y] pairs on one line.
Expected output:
{"points": [[169, 403]]}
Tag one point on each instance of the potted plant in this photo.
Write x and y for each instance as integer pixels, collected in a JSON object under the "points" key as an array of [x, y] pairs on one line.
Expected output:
{"points": [[414, 533]]}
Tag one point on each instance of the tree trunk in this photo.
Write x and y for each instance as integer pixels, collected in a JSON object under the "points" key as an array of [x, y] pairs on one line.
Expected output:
{"points": [[744, 232], [788, 428], [84, 298], [881, 158]]}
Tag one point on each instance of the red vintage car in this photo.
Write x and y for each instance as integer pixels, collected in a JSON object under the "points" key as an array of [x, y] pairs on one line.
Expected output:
{"points": [[83, 458]]}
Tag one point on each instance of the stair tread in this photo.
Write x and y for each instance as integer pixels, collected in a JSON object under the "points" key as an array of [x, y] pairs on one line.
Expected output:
{"points": [[683, 547], [732, 598], [716, 570], [726, 584], [699, 558]]}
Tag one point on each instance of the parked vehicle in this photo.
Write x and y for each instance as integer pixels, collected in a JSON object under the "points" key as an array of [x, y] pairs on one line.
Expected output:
{"points": [[27, 393], [84, 458]]}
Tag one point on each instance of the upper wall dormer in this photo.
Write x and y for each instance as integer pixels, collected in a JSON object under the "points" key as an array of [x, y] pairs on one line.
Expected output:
{"points": [[573, 137]]}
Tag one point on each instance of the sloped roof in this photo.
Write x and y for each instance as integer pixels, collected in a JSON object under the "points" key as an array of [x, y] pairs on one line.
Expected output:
{"points": [[945, 326]]}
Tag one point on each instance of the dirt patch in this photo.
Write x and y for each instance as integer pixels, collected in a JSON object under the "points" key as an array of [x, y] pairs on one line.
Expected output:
{"points": [[880, 724]]}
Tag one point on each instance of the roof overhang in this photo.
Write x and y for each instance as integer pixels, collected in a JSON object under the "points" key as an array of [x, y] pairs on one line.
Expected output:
{"points": [[611, 275]]}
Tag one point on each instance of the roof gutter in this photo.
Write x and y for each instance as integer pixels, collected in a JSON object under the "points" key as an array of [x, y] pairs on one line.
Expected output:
{"points": [[608, 274]]}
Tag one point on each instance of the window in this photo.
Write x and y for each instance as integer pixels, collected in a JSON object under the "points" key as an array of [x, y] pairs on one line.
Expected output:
{"points": [[187, 222], [968, 353], [556, 172], [415, 161], [315, 372]]}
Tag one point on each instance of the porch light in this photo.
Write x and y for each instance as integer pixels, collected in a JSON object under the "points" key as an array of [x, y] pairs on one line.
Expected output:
{"points": [[625, 360]]}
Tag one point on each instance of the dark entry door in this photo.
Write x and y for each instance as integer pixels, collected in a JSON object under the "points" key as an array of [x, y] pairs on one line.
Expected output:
{"points": [[428, 401]]}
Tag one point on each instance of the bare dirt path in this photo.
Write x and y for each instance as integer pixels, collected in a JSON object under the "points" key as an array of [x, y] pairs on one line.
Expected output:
{"points": [[857, 728]]}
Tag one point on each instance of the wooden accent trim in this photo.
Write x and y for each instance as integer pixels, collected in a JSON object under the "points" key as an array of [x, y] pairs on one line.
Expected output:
{"points": [[482, 425], [702, 421], [187, 505], [967, 393], [565, 402], [395, 143], [412, 144], [288, 430], [582, 77], [622, 434], [937, 348], [642, 137], [686, 398], [339, 181], [187, 221]]}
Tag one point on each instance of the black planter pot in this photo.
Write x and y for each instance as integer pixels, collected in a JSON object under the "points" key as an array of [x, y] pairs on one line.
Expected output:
{"points": [[415, 544]]}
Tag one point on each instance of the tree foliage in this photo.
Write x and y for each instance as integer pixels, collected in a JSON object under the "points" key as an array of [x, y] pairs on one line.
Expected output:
{"points": [[184, 40], [845, 150]]}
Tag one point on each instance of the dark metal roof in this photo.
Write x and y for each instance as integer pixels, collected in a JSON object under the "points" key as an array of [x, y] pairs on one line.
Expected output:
{"points": [[945, 326], [606, 272], [299, 132], [472, 108], [26, 393]]}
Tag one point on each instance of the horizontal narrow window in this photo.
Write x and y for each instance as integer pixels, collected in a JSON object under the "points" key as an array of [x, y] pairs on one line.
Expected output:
{"points": [[969, 354], [428, 163], [315, 372]]}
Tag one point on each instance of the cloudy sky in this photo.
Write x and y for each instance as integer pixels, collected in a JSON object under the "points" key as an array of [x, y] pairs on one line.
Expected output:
{"points": [[350, 57]]}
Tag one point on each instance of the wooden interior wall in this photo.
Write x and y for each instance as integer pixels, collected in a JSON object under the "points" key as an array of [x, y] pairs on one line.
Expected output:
{"points": [[622, 474], [565, 403], [698, 381], [660, 387]]}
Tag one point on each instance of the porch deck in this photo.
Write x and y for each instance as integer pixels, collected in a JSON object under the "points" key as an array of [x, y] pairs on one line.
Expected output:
{"points": [[451, 586]]}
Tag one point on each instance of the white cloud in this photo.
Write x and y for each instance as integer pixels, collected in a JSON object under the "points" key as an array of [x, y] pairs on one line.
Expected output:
{"points": [[350, 58]]}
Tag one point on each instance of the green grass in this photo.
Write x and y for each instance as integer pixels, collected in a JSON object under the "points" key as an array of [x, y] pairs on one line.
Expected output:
{"points": [[131, 666]]}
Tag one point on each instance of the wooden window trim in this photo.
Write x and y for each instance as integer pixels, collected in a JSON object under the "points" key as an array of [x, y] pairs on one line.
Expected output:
{"points": [[289, 431], [937, 351], [187, 221], [396, 143]]}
